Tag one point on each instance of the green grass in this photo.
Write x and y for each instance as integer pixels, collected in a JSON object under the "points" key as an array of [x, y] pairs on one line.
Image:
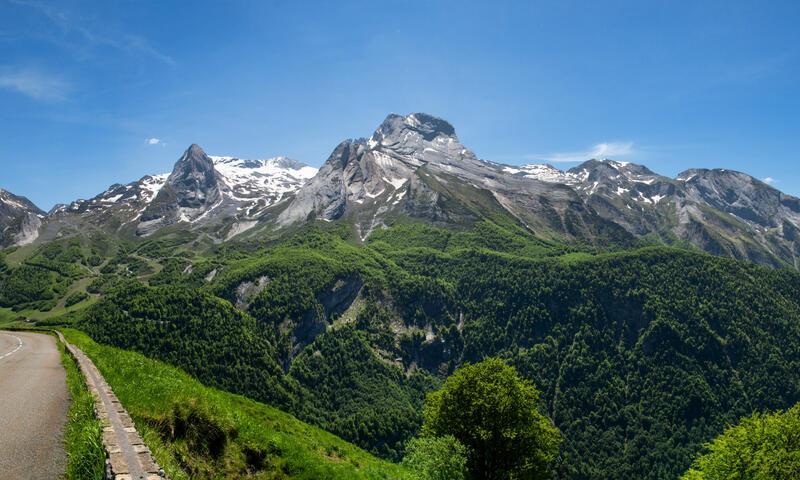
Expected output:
{"points": [[198, 432], [10, 319], [83, 432], [17, 255]]}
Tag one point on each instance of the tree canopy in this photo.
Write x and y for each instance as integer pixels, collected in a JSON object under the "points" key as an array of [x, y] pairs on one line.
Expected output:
{"points": [[761, 447], [436, 458], [494, 412]]}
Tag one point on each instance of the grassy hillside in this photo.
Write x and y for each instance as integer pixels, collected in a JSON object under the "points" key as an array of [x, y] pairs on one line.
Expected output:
{"points": [[199, 432], [641, 355]]}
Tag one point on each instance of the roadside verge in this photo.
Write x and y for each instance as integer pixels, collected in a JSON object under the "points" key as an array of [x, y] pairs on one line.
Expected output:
{"points": [[127, 457]]}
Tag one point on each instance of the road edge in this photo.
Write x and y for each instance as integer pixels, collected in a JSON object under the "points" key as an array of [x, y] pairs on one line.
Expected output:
{"points": [[127, 456]]}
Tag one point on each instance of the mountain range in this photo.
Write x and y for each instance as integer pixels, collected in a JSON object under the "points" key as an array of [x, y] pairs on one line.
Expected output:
{"points": [[414, 167], [344, 295]]}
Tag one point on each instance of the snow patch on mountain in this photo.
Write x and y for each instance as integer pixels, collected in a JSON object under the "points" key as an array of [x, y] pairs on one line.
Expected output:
{"points": [[545, 173], [590, 176], [251, 179], [151, 185]]}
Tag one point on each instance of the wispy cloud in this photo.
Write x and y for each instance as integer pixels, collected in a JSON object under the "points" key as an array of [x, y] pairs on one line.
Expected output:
{"points": [[769, 180], [93, 35], [600, 150], [152, 141], [34, 83]]}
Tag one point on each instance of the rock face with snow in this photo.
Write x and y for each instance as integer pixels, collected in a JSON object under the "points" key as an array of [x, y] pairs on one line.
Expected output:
{"points": [[20, 220], [192, 190], [415, 166], [720, 211], [743, 216], [118, 206], [225, 195]]}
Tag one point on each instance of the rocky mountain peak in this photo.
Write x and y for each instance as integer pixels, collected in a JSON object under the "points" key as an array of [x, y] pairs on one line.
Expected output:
{"points": [[715, 174], [741, 195], [194, 178], [223, 194], [194, 160], [193, 187], [10, 201], [596, 169], [195, 150], [414, 166], [361, 176], [345, 152], [420, 127], [286, 162]]}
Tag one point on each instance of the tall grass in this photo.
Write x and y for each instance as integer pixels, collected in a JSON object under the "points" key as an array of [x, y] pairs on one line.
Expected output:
{"points": [[83, 432], [197, 432]]}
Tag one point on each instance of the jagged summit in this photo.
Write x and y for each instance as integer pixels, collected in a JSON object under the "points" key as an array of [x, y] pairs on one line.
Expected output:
{"points": [[17, 201], [190, 191], [223, 194], [404, 133], [359, 174], [691, 173], [427, 126], [746, 198], [195, 149], [213, 189], [414, 166]]}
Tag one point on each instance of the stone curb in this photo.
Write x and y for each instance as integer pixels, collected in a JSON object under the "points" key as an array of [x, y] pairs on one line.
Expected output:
{"points": [[127, 457]]}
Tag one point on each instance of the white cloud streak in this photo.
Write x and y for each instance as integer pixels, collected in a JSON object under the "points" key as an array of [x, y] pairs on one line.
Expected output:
{"points": [[769, 180], [94, 36], [35, 84], [599, 151], [152, 141]]}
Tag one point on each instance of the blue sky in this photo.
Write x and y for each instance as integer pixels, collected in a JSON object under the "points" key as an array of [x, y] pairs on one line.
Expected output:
{"points": [[673, 85]]}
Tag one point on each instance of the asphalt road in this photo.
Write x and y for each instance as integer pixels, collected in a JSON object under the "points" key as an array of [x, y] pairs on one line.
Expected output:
{"points": [[33, 407]]}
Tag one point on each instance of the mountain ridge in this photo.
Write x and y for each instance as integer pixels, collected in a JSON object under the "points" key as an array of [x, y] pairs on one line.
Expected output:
{"points": [[200, 190], [414, 166]]}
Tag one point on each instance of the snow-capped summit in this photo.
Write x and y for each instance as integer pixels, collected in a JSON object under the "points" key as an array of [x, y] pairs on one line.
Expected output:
{"points": [[217, 191], [543, 172], [206, 189], [415, 166]]}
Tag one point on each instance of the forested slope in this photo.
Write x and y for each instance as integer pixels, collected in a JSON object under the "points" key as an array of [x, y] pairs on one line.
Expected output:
{"points": [[197, 432], [641, 356]]}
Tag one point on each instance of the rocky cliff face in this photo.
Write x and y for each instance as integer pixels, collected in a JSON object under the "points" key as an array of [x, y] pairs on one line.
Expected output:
{"points": [[20, 220], [226, 195], [192, 190], [415, 166], [720, 211]]}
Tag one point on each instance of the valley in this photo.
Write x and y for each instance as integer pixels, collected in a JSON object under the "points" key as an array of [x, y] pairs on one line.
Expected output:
{"points": [[649, 312]]}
